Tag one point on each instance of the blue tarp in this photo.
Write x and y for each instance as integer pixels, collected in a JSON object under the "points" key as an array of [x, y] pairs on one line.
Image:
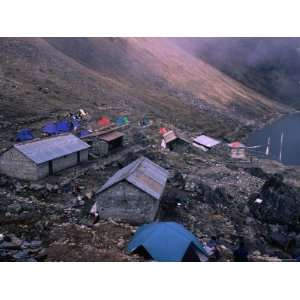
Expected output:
{"points": [[83, 133], [75, 124], [24, 135], [58, 127], [122, 121], [63, 126], [50, 128], [165, 241]]}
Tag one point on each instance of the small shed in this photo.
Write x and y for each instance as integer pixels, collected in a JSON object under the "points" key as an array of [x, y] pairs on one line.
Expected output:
{"points": [[172, 141], [133, 193], [103, 143], [238, 150], [205, 143], [169, 139], [113, 139], [33, 160]]}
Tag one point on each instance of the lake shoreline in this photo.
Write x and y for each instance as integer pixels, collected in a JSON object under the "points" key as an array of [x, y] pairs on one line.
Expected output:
{"points": [[272, 129]]}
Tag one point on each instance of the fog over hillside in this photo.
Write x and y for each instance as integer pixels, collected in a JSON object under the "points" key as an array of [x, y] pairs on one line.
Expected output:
{"points": [[43, 76], [268, 65]]}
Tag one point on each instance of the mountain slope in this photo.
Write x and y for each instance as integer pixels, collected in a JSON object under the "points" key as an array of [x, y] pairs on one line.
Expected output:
{"points": [[268, 65], [144, 58], [44, 76]]}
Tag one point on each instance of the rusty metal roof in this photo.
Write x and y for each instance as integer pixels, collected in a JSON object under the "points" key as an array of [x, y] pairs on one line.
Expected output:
{"points": [[111, 136], [142, 173], [236, 144], [169, 136], [43, 150], [206, 141]]}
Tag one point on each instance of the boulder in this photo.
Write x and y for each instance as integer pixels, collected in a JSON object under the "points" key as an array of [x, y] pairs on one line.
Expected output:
{"points": [[279, 240], [280, 203], [89, 195], [35, 244], [9, 246], [36, 186], [14, 208], [51, 187]]}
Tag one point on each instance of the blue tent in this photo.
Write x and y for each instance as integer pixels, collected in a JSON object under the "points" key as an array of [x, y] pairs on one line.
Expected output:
{"points": [[63, 126], [83, 133], [166, 241], [24, 135], [49, 128], [122, 121]]}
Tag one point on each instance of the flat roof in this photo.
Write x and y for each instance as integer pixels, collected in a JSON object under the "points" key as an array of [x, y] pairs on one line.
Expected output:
{"points": [[108, 137], [206, 141], [43, 150]]}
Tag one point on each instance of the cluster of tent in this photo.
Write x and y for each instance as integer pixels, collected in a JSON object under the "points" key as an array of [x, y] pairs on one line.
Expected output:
{"points": [[65, 125], [105, 121], [53, 128]]}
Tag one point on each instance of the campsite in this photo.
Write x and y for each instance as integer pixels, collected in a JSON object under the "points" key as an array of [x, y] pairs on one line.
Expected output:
{"points": [[71, 204], [111, 169]]}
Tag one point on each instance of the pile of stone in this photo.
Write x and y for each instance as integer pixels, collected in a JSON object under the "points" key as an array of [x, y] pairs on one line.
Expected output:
{"points": [[13, 248]]}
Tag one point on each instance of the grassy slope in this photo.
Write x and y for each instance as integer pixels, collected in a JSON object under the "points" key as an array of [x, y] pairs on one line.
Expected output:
{"points": [[41, 76]]}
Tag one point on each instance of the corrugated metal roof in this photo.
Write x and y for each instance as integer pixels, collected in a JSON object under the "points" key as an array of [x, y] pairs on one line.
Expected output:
{"points": [[142, 173], [111, 136], [44, 150], [236, 144], [170, 136], [206, 141]]}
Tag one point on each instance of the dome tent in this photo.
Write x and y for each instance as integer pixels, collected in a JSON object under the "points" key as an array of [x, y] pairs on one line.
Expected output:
{"points": [[122, 121], [24, 135], [104, 121], [49, 128], [167, 241], [63, 126]]}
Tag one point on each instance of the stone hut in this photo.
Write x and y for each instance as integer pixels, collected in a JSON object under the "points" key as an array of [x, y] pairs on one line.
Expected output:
{"points": [[133, 193], [36, 159]]}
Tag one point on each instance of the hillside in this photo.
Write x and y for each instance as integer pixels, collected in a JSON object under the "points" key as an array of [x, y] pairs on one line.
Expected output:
{"points": [[267, 65], [44, 76]]}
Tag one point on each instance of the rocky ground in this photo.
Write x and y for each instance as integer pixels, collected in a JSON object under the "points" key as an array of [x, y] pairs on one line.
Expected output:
{"points": [[207, 192]]}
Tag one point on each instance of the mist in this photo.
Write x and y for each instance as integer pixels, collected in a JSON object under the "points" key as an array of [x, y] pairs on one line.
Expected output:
{"points": [[269, 65]]}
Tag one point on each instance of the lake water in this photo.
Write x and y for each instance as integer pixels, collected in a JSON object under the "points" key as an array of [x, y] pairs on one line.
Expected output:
{"points": [[290, 127]]}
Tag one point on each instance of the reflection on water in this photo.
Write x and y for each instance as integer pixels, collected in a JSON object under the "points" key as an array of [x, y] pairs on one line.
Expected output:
{"points": [[289, 126]]}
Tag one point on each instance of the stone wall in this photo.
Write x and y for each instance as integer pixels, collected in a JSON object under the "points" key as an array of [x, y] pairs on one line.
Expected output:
{"points": [[127, 203], [100, 147], [84, 155], [64, 162], [13, 163], [43, 170]]}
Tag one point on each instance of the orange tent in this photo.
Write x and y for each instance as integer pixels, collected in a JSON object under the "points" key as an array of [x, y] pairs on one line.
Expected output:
{"points": [[104, 121], [163, 130]]}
